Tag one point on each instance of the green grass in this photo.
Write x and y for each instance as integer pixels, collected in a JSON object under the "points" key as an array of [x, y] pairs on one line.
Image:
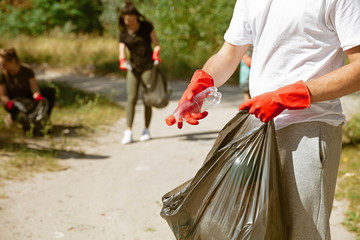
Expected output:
{"points": [[98, 54], [23, 160], [349, 174], [348, 186], [79, 52], [76, 115], [79, 108]]}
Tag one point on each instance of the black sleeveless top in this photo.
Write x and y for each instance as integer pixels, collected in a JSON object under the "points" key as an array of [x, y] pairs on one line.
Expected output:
{"points": [[139, 44], [18, 86]]}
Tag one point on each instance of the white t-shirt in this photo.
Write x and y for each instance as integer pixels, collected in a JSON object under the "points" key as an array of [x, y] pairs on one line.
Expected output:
{"points": [[296, 40]]}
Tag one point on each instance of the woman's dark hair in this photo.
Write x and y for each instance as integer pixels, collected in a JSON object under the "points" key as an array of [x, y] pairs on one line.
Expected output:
{"points": [[9, 54], [129, 9]]}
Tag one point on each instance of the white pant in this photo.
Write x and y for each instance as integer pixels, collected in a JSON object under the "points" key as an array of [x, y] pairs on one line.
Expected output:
{"points": [[310, 156]]}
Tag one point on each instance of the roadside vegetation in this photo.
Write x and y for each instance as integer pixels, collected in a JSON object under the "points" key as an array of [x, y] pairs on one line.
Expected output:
{"points": [[80, 53], [74, 118], [61, 34], [348, 184]]}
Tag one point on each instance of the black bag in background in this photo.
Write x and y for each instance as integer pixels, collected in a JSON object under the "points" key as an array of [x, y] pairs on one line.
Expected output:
{"points": [[32, 114], [237, 194], [158, 92]]}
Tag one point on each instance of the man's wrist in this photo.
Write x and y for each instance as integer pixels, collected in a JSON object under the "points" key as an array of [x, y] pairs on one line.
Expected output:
{"points": [[200, 76]]}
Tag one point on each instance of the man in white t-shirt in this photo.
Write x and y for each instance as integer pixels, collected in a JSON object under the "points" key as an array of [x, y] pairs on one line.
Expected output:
{"points": [[296, 78]]}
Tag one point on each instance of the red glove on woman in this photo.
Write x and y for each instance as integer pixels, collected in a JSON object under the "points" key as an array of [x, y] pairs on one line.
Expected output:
{"points": [[10, 105], [156, 55], [268, 105], [247, 60], [199, 82], [38, 97], [122, 64]]}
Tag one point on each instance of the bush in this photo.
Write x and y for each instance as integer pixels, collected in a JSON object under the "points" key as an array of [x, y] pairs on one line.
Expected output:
{"points": [[352, 130], [40, 16], [80, 52], [189, 31]]}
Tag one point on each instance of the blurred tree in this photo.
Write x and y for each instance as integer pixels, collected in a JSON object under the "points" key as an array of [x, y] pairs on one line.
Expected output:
{"points": [[36, 17], [188, 30]]}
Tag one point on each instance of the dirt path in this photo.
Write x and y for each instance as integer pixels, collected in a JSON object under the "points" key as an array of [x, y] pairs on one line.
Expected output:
{"points": [[117, 195]]}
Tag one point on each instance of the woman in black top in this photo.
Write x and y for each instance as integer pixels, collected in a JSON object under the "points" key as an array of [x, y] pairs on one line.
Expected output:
{"points": [[137, 34], [17, 81]]}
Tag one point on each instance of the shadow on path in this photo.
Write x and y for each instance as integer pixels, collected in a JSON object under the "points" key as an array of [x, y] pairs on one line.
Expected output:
{"points": [[38, 150], [203, 136], [63, 130]]}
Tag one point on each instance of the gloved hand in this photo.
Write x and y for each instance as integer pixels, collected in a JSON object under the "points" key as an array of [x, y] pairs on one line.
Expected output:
{"points": [[123, 64], [10, 105], [268, 105], [199, 82], [38, 97], [247, 60], [156, 55]]}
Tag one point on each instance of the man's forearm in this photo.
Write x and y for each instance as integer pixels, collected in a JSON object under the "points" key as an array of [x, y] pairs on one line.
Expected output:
{"points": [[224, 63], [341, 82]]}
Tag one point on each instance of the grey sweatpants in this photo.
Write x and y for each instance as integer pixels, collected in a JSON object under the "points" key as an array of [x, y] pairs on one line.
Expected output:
{"points": [[310, 155]]}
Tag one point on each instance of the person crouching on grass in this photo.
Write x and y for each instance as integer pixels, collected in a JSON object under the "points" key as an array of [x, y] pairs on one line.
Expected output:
{"points": [[17, 81]]}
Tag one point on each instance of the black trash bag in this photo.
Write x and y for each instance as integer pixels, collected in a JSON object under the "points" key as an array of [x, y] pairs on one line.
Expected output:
{"points": [[32, 115], [158, 92], [237, 194]]}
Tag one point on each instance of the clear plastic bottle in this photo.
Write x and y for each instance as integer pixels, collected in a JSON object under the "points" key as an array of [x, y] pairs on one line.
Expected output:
{"points": [[128, 66], [200, 103]]}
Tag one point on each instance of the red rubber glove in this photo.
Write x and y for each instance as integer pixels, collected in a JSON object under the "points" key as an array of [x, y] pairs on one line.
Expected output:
{"points": [[156, 55], [199, 82], [10, 105], [122, 64], [247, 60], [268, 105], [38, 97]]}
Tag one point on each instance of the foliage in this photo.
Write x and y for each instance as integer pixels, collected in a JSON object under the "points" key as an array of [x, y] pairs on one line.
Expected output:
{"points": [[349, 174], [84, 53], [77, 107], [76, 114], [348, 186], [40, 16], [352, 130], [188, 31]]}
